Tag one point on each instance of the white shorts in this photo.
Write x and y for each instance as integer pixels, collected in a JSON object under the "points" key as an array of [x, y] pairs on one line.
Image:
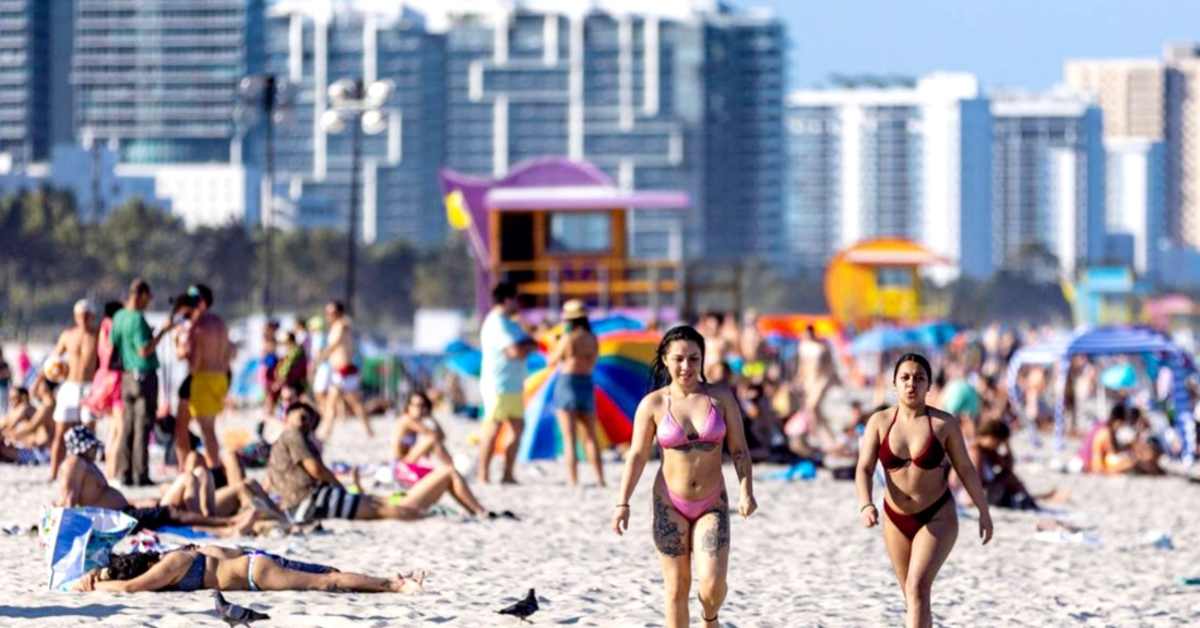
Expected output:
{"points": [[68, 403], [321, 378], [346, 383]]}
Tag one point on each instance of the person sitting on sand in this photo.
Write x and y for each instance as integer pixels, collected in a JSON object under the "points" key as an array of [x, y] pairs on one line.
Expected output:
{"points": [[82, 484], [311, 491], [26, 432], [993, 458], [1107, 455], [1146, 447], [224, 569], [418, 434]]}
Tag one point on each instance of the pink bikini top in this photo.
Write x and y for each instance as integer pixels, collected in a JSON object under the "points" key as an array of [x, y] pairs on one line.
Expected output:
{"points": [[671, 434]]}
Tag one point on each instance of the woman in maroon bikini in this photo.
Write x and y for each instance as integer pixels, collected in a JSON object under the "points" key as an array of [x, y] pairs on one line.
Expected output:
{"points": [[917, 445], [691, 421]]}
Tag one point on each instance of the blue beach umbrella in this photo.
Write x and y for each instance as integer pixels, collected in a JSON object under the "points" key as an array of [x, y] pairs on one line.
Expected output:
{"points": [[882, 339], [1119, 377]]}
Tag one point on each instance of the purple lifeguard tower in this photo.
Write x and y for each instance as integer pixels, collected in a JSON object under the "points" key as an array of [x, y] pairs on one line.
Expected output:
{"points": [[558, 229]]}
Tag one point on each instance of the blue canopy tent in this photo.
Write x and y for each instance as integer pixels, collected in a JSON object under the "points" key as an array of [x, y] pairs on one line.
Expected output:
{"points": [[1150, 345]]}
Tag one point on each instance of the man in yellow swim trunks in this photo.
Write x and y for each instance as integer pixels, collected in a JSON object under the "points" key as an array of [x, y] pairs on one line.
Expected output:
{"points": [[208, 352], [504, 346]]}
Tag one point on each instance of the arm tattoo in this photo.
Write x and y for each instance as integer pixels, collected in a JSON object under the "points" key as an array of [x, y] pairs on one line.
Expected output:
{"points": [[741, 464], [668, 538], [716, 538]]}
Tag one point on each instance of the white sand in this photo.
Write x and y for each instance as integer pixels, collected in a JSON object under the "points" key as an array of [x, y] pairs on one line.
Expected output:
{"points": [[803, 560]]}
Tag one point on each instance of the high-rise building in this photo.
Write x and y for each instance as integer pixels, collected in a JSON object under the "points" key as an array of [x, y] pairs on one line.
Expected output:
{"points": [[1155, 99], [876, 158], [1130, 92], [680, 94], [1135, 187], [157, 79], [1183, 141], [311, 45], [35, 39], [1048, 181]]}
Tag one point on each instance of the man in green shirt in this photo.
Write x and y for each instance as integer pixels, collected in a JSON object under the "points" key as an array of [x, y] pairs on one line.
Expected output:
{"points": [[133, 340]]}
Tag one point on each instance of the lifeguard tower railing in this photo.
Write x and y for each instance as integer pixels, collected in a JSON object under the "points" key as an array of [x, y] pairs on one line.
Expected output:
{"points": [[605, 282]]}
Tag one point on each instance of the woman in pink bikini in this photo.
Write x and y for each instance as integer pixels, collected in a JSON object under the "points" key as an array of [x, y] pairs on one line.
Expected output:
{"points": [[691, 421], [917, 446]]}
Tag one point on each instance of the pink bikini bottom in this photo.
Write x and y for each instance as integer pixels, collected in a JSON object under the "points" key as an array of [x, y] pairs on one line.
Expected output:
{"points": [[693, 508]]}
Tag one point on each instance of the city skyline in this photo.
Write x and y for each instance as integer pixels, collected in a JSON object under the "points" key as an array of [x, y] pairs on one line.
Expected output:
{"points": [[881, 37]]}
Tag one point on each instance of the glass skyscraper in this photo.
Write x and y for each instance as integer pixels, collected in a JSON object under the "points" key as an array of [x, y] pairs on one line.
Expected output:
{"points": [[872, 158], [678, 96], [158, 78], [399, 194], [1048, 183], [35, 40]]}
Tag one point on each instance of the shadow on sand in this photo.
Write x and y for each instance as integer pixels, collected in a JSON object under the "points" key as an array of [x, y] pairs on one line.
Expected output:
{"points": [[97, 611]]}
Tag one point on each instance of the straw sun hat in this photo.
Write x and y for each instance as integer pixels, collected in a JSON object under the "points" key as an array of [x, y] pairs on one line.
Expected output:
{"points": [[573, 309]]}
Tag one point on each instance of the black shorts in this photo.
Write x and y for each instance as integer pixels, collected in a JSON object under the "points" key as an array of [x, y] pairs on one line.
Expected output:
{"points": [[327, 502], [220, 480], [185, 389], [151, 518]]}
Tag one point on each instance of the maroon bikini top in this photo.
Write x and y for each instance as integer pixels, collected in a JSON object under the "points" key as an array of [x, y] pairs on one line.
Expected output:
{"points": [[929, 458]]}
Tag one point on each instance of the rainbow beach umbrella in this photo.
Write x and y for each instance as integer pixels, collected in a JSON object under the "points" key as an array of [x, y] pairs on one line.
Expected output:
{"points": [[620, 380]]}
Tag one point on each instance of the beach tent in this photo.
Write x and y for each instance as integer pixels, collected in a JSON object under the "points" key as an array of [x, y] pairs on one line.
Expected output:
{"points": [[1140, 341], [621, 377]]}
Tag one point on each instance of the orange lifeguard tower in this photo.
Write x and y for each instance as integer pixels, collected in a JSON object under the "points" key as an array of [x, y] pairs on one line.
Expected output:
{"points": [[877, 280], [558, 229]]}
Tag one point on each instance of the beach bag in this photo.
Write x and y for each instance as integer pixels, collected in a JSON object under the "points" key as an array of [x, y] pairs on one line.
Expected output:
{"points": [[80, 539]]}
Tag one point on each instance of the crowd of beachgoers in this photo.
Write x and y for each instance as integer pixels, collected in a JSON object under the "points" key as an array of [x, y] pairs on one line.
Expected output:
{"points": [[941, 419]]}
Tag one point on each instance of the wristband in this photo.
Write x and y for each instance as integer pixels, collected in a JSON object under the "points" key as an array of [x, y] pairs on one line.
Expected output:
{"points": [[866, 506], [621, 506]]}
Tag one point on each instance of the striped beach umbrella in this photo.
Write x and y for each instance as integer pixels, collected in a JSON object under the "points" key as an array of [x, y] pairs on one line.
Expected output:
{"points": [[620, 380]]}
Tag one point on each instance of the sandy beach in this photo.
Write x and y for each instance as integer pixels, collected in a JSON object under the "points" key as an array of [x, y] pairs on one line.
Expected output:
{"points": [[802, 560]]}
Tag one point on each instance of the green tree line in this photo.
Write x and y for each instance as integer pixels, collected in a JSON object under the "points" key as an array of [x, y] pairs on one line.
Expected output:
{"points": [[49, 258]]}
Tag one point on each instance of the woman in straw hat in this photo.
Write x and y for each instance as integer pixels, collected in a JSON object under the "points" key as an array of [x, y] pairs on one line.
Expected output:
{"points": [[574, 398]]}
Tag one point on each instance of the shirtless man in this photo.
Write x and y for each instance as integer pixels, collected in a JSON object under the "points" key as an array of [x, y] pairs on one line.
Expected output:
{"points": [[208, 351], [344, 381], [574, 397], [77, 347], [83, 484], [26, 432]]}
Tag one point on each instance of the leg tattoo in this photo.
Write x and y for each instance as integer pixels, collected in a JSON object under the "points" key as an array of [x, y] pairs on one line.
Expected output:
{"points": [[716, 537], [668, 538]]}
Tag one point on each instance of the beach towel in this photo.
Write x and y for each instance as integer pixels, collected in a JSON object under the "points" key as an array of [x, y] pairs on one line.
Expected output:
{"points": [[80, 539]]}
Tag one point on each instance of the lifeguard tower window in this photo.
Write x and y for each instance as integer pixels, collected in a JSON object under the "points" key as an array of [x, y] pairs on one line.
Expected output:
{"points": [[894, 277], [579, 232], [516, 236]]}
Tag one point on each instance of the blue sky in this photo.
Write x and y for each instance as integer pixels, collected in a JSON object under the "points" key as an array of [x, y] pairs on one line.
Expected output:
{"points": [[1011, 43]]}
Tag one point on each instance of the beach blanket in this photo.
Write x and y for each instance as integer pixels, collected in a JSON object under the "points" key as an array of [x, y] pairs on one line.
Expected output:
{"points": [[80, 539]]}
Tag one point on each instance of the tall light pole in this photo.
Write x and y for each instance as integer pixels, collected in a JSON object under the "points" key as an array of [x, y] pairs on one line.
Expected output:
{"points": [[358, 104], [266, 96]]}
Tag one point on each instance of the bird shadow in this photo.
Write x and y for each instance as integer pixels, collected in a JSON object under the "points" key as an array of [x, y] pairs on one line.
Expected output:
{"points": [[96, 611]]}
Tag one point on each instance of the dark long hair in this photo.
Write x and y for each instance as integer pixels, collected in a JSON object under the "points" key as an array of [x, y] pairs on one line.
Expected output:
{"points": [[658, 368], [579, 323], [920, 361], [132, 565]]}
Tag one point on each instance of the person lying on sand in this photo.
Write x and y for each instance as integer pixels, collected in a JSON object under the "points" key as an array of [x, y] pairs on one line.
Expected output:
{"points": [[232, 570], [82, 484], [311, 491]]}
